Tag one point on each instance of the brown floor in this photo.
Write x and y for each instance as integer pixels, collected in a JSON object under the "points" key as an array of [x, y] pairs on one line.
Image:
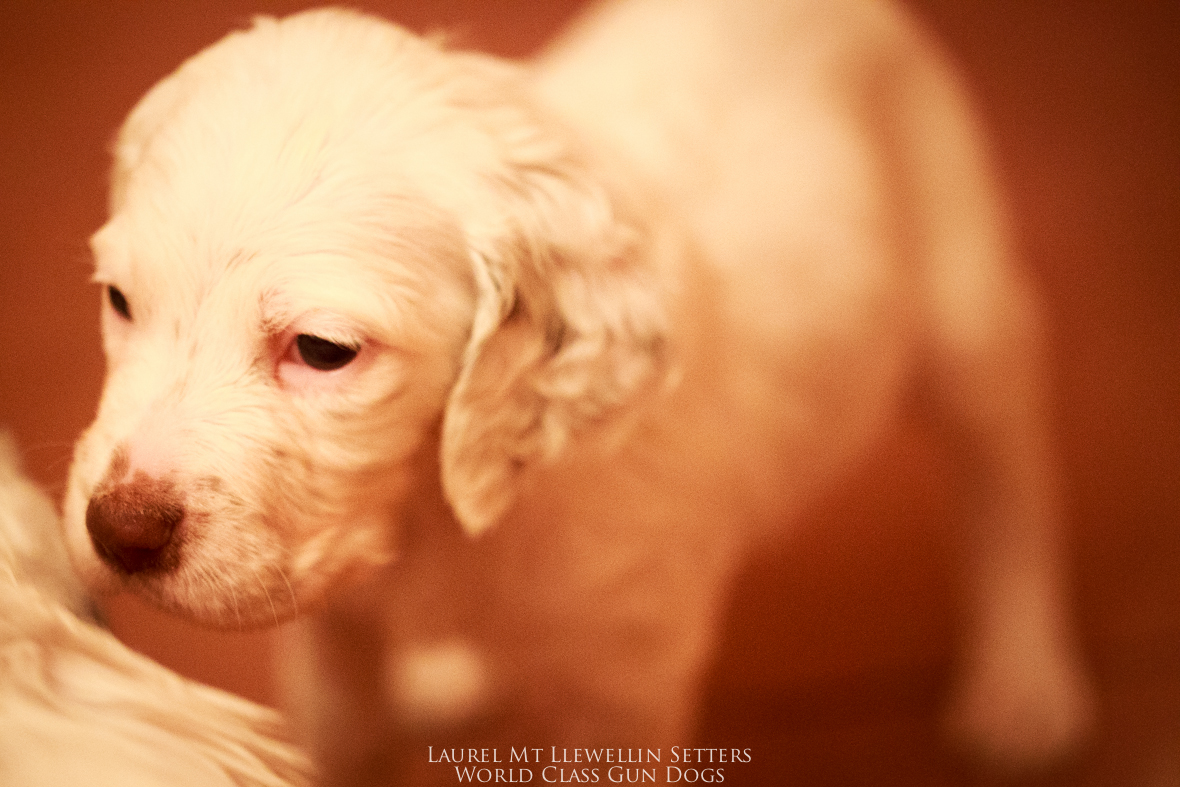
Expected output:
{"points": [[836, 650]]}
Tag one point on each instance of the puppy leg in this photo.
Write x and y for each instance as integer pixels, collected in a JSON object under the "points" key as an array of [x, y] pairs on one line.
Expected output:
{"points": [[625, 682], [1021, 698], [330, 669]]}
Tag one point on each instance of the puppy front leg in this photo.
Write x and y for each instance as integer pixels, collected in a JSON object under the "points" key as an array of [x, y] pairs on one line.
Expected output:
{"points": [[330, 670], [616, 686]]}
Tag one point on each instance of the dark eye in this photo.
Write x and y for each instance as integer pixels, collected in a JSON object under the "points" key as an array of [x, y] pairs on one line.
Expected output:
{"points": [[119, 302], [322, 354]]}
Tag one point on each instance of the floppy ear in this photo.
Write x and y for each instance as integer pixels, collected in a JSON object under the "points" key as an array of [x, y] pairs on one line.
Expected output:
{"points": [[569, 328]]}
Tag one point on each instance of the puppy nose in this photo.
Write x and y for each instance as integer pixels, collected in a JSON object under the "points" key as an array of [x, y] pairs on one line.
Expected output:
{"points": [[131, 523]]}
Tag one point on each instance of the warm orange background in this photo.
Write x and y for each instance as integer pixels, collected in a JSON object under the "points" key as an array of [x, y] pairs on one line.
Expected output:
{"points": [[836, 648]]}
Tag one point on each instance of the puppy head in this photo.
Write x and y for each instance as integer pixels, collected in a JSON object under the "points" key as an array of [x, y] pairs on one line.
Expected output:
{"points": [[345, 273]]}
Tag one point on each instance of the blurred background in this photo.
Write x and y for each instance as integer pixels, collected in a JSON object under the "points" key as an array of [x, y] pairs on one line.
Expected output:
{"points": [[837, 647]]}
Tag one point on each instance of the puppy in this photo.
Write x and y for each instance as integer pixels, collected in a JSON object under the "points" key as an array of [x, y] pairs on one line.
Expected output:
{"points": [[77, 707], [497, 372]]}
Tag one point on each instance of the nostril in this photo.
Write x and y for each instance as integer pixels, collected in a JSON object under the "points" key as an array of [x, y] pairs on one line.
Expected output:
{"points": [[132, 523]]}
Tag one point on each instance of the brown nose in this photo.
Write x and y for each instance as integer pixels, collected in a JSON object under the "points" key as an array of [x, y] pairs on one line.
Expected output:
{"points": [[132, 523]]}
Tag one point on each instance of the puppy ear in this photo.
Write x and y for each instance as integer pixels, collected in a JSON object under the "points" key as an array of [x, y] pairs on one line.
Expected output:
{"points": [[568, 329]]}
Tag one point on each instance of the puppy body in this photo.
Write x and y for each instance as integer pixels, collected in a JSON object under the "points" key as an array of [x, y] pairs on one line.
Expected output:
{"points": [[632, 306]]}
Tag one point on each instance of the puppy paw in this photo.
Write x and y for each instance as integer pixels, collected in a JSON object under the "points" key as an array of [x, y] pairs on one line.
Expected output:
{"points": [[1021, 708], [437, 685]]}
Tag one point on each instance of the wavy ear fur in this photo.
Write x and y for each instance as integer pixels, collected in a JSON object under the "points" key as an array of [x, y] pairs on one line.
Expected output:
{"points": [[569, 327]]}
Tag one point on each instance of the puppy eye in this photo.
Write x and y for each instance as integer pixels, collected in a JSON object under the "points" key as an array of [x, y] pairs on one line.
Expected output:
{"points": [[322, 354], [119, 302]]}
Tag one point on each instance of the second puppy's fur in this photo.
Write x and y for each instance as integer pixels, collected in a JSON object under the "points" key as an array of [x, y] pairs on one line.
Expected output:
{"points": [[618, 314]]}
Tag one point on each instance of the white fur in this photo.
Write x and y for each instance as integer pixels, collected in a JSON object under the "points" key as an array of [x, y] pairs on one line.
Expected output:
{"points": [[437, 685], [620, 313], [78, 707]]}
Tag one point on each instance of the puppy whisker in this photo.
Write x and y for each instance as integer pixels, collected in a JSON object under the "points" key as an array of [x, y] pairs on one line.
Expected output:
{"points": [[237, 610], [290, 591], [266, 591]]}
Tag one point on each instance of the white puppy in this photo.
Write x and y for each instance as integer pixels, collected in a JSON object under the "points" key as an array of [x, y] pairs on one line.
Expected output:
{"points": [[619, 314], [78, 707]]}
